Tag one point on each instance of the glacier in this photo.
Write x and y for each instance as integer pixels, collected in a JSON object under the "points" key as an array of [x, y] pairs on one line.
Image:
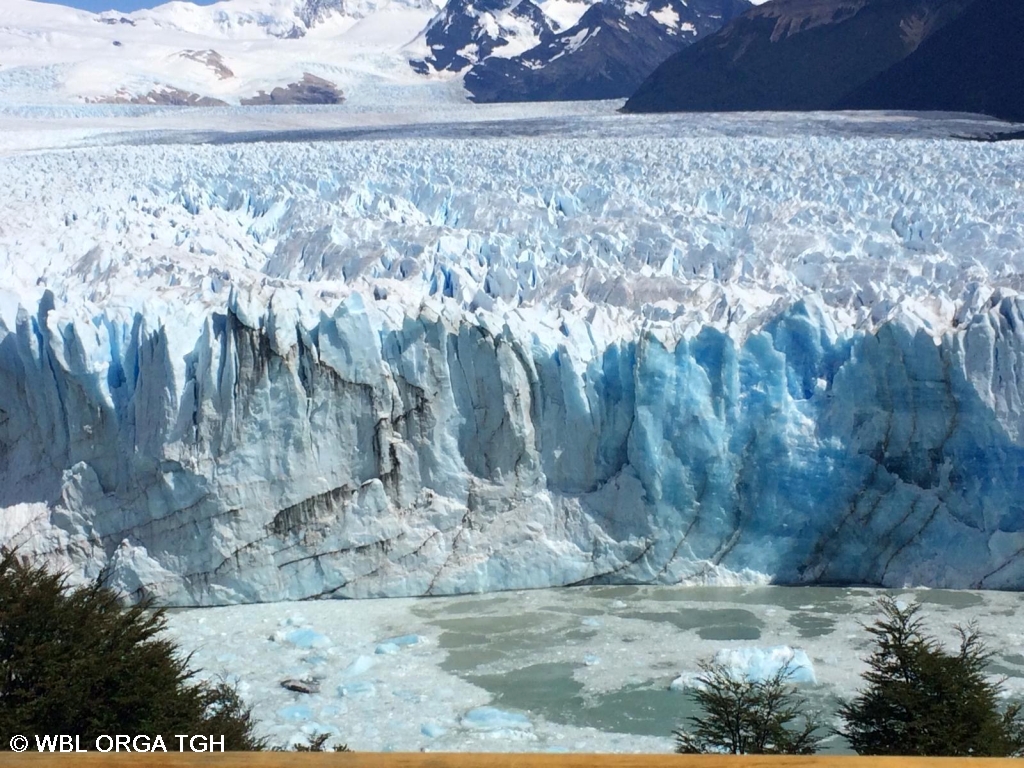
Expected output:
{"points": [[284, 371]]}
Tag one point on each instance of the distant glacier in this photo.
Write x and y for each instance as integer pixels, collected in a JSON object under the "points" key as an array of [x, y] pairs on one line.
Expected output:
{"points": [[273, 372]]}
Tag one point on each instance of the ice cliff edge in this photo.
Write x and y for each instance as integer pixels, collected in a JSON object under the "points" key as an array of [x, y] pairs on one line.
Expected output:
{"points": [[342, 369], [370, 454]]}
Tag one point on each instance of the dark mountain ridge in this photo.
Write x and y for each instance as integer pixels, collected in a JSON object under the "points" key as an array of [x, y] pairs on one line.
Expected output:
{"points": [[605, 55], [794, 55], [975, 64]]}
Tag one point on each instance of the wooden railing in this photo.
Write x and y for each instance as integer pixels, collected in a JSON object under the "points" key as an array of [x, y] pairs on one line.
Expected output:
{"points": [[477, 760]]}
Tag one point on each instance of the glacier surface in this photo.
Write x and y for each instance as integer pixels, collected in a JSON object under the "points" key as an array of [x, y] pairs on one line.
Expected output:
{"points": [[248, 372]]}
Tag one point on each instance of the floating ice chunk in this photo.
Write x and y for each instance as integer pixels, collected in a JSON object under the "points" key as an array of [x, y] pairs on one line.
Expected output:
{"points": [[432, 730], [358, 667], [405, 640], [756, 664], [307, 638], [684, 681], [410, 696], [591, 659], [590, 621], [357, 688], [494, 719], [295, 713], [394, 644], [761, 663]]}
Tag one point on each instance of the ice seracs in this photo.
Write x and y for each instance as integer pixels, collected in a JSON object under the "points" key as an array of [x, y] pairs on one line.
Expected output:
{"points": [[657, 360]]}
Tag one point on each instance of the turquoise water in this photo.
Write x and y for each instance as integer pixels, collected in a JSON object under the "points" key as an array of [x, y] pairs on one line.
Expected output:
{"points": [[497, 644], [582, 669]]}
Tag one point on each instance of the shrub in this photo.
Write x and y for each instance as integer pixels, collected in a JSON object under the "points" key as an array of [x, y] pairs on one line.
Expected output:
{"points": [[76, 661], [744, 717], [317, 742], [922, 700]]}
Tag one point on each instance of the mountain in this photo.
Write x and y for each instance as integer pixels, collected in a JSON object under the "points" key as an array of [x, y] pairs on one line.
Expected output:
{"points": [[793, 55], [370, 51], [467, 32], [251, 19], [611, 50], [973, 65], [230, 52]]}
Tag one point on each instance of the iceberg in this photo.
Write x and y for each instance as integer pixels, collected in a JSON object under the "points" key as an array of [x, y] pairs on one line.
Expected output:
{"points": [[759, 664], [756, 665], [360, 687], [432, 730], [494, 719], [307, 638]]}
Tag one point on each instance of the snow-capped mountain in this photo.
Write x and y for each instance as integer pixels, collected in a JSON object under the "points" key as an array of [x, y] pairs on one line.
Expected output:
{"points": [[606, 54], [229, 52], [252, 51], [259, 18], [467, 32]]}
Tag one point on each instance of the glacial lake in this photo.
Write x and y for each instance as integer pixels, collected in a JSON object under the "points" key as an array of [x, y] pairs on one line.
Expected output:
{"points": [[582, 669]]}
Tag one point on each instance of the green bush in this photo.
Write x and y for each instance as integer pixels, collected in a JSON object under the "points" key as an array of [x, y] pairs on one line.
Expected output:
{"points": [[923, 700], [74, 660], [317, 742], [743, 717]]}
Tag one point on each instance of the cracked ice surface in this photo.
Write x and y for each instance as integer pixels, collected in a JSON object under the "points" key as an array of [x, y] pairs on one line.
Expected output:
{"points": [[264, 371]]}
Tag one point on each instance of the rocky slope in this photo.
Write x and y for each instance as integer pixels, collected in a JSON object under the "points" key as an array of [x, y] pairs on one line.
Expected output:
{"points": [[793, 55], [973, 65]]}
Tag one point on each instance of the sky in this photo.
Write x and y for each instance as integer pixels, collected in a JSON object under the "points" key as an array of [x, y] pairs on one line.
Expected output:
{"points": [[117, 5], [133, 5]]}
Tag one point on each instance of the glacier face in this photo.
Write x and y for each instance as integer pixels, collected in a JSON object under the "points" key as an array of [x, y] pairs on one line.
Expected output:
{"points": [[285, 371]]}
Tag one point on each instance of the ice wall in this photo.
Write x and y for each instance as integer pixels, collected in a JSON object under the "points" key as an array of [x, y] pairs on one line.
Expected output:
{"points": [[438, 454], [293, 371]]}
